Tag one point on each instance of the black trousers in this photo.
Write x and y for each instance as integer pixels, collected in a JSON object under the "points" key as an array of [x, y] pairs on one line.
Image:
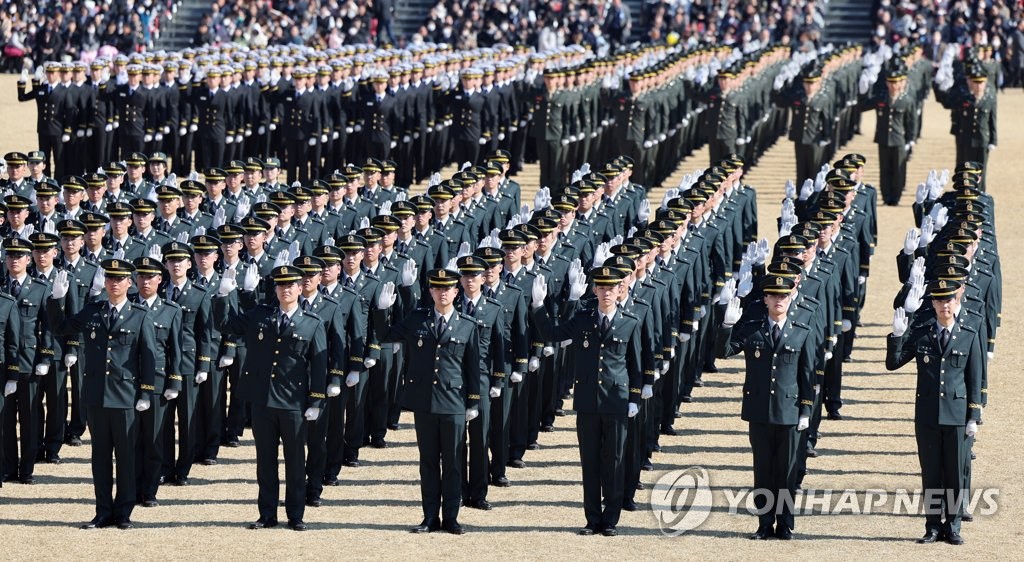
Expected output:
{"points": [[808, 162], [383, 377], [114, 432], [209, 417], [941, 450], [150, 450], [439, 438], [23, 416], [183, 411], [892, 166], [475, 456], [54, 396], [272, 427], [774, 448], [602, 441], [832, 390], [77, 421], [316, 450], [500, 438]]}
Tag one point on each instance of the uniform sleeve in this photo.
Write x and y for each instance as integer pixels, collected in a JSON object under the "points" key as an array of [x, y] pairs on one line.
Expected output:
{"points": [[634, 364], [12, 337], [204, 327], [172, 369], [316, 368], [471, 369], [147, 359]]}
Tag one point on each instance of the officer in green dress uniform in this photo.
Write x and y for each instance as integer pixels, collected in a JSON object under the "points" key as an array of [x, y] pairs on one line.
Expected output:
{"points": [[607, 375], [777, 394], [284, 378], [118, 381], [949, 354], [442, 389]]}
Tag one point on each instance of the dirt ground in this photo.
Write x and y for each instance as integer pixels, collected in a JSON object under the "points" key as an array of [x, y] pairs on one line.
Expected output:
{"points": [[368, 516]]}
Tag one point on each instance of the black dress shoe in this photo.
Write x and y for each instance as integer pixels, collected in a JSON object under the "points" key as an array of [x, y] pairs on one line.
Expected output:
{"points": [[973, 456], [677, 414], [629, 505], [481, 504], [427, 526], [11, 478], [332, 481], [393, 426], [648, 465], [954, 539], [263, 524], [656, 448], [587, 531], [640, 486], [453, 527], [547, 428], [561, 413], [710, 369], [812, 453], [929, 537], [125, 524], [698, 383], [784, 534], [669, 431], [314, 502], [98, 523], [835, 416], [73, 441], [53, 459], [967, 517], [27, 479], [516, 463], [297, 525], [501, 482], [762, 534], [685, 400], [609, 531], [378, 443], [208, 462], [233, 443], [150, 503], [181, 481], [352, 463], [533, 446]]}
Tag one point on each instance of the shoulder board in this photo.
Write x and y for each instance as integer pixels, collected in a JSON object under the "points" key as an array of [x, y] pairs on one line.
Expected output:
{"points": [[629, 315]]}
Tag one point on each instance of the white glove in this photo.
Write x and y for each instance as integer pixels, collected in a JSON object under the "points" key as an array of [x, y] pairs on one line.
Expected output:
{"points": [[219, 218], [927, 230], [472, 414], [201, 377], [991, 147], [732, 314], [665, 365], [226, 361], [817, 389], [66, 138], [148, 137], [741, 142], [227, 284], [803, 424], [10, 388], [915, 298], [495, 392], [79, 133], [548, 351], [533, 365], [409, 272], [646, 392], [921, 193], [644, 212], [24, 75], [108, 127], [911, 242], [351, 379], [98, 282], [684, 337], [70, 360], [60, 284], [158, 137], [972, 428], [311, 141], [323, 138], [823, 143], [900, 323], [696, 326], [746, 284], [142, 405], [261, 130], [252, 278], [578, 286], [790, 190], [182, 131], [728, 292], [806, 189], [633, 409], [847, 325], [861, 279], [42, 370], [156, 253], [369, 362], [311, 414], [357, 128], [242, 208], [941, 217], [539, 291], [703, 311], [387, 296], [333, 390], [170, 394], [516, 376]]}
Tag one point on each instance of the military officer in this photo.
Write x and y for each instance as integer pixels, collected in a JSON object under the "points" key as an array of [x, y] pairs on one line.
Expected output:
{"points": [[442, 389], [950, 361], [607, 374], [894, 131], [776, 401], [118, 382], [284, 378]]}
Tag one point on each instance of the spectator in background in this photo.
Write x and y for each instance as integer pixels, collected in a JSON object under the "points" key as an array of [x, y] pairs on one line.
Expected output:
{"points": [[617, 23]]}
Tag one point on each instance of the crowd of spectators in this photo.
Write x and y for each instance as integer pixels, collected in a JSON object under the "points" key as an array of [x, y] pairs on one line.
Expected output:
{"points": [[42, 30], [998, 24]]}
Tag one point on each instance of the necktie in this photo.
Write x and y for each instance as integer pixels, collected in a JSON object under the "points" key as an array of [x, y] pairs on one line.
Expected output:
{"points": [[944, 339], [305, 305], [201, 281], [776, 334], [441, 325], [175, 293], [111, 317], [606, 324], [165, 226], [510, 279], [282, 324], [15, 288], [402, 247], [470, 308], [117, 246], [350, 283]]}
